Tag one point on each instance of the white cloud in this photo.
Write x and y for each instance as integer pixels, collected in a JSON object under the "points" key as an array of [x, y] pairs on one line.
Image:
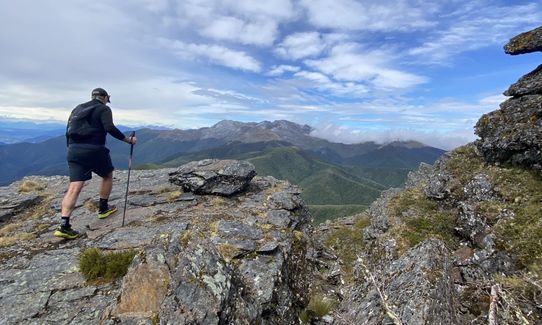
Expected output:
{"points": [[278, 9], [239, 21], [384, 15], [322, 82], [480, 25], [258, 32], [278, 70], [301, 45], [214, 53], [347, 62]]}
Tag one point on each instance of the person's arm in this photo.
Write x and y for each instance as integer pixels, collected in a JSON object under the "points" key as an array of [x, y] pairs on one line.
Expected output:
{"points": [[109, 126]]}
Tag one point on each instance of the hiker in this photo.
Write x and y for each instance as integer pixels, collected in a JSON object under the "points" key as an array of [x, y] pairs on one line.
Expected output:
{"points": [[86, 131]]}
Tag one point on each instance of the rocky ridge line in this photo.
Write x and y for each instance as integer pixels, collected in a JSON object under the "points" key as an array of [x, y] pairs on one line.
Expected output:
{"points": [[202, 259]]}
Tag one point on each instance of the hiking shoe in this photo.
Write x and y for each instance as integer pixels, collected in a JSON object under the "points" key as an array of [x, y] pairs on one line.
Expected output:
{"points": [[104, 214], [67, 233]]}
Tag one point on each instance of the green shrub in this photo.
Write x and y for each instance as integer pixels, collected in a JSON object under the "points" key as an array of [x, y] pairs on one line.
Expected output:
{"points": [[94, 264]]}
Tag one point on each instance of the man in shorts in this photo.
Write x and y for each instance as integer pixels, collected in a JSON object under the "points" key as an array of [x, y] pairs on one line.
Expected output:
{"points": [[87, 128]]}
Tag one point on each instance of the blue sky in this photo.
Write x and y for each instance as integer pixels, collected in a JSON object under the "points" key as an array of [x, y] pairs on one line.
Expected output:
{"points": [[354, 70]]}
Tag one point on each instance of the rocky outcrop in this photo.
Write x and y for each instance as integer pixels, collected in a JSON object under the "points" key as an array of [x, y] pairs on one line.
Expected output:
{"points": [[527, 42], [439, 251], [513, 134], [201, 259], [212, 176]]}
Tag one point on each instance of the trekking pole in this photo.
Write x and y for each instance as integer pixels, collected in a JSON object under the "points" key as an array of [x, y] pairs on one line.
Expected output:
{"points": [[128, 182]]}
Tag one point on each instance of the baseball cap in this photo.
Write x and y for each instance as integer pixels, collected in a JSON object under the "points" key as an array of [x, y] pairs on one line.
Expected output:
{"points": [[100, 92]]}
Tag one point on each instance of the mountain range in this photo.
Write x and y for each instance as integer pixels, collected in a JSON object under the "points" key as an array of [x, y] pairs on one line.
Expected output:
{"points": [[337, 179]]}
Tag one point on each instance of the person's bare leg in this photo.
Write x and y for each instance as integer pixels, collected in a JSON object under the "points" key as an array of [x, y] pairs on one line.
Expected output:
{"points": [[107, 186], [70, 198]]}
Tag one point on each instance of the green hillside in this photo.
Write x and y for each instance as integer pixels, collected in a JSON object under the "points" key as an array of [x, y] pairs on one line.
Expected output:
{"points": [[329, 190]]}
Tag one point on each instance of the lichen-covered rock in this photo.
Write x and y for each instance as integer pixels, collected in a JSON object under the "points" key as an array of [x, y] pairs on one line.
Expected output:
{"points": [[529, 84], [480, 189], [527, 42], [204, 259], [513, 134], [212, 176]]}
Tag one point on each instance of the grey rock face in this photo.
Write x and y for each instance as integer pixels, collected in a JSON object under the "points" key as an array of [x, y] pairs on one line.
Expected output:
{"points": [[417, 288], [211, 176], [438, 182], [527, 42], [529, 84], [209, 260], [513, 134], [470, 225]]}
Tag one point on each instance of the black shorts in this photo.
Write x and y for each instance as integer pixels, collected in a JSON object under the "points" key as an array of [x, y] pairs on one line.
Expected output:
{"points": [[83, 161]]}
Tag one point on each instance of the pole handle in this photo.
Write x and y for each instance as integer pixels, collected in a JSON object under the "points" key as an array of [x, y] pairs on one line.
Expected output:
{"points": [[131, 145]]}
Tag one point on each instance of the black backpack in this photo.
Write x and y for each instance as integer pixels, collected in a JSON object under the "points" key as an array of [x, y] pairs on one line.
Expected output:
{"points": [[79, 126]]}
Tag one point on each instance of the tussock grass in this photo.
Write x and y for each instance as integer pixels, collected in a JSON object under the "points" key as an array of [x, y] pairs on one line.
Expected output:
{"points": [[319, 306], [30, 186], [217, 201], [95, 264], [91, 205], [10, 239], [172, 196]]}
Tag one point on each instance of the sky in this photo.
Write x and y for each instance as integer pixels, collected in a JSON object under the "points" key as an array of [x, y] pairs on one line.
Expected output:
{"points": [[355, 70]]}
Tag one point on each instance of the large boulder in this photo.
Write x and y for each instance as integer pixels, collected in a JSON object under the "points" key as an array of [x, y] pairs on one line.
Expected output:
{"points": [[527, 42], [213, 176]]}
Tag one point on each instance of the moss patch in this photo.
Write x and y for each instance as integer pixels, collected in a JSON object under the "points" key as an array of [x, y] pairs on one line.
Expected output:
{"points": [[94, 264]]}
